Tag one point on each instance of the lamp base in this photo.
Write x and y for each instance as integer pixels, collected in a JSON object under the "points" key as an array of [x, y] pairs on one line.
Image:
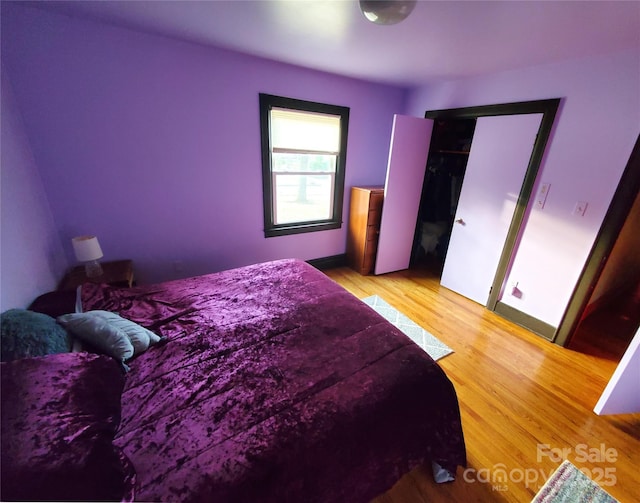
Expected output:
{"points": [[93, 269]]}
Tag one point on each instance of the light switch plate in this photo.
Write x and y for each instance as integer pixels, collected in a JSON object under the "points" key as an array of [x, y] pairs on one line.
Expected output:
{"points": [[541, 198], [580, 208]]}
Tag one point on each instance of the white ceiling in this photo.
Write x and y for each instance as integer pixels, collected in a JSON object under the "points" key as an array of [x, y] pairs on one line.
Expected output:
{"points": [[439, 40]]}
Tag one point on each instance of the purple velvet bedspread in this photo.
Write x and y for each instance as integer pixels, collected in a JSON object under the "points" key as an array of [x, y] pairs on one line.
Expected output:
{"points": [[275, 384]]}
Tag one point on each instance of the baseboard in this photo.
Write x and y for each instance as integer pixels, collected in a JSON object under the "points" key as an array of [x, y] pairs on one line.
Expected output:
{"points": [[329, 262], [524, 320]]}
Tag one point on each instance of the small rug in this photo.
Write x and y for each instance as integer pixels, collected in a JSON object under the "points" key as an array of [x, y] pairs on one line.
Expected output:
{"points": [[569, 485], [432, 346]]}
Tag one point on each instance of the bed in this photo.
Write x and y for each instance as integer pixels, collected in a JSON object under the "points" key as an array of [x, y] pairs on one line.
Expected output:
{"points": [[271, 384]]}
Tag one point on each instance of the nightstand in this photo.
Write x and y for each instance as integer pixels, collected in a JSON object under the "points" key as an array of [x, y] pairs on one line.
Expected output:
{"points": [[115, 273]]}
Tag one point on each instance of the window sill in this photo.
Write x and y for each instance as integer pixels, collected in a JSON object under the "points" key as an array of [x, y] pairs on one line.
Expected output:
{"points": [[284, 230]]}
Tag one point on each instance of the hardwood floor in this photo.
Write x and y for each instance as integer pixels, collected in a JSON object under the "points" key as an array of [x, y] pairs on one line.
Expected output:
{"points": [[517, 393]]}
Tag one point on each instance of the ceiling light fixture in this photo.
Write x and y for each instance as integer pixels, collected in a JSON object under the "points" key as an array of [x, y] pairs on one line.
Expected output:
{"points": [[386, 11]]}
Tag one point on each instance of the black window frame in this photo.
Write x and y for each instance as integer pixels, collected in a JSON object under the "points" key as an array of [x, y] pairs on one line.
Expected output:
{"points": [[267, 103]]}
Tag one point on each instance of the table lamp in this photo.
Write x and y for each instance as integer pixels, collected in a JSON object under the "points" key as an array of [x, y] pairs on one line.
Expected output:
{"points": [[87, 250]]}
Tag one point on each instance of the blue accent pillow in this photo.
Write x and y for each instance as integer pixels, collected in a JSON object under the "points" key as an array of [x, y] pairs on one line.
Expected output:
{"points": [[26, 333], [110, 333]]}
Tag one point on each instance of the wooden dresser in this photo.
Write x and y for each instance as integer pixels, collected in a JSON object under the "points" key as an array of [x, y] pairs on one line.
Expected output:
{"points": [[364, 227]]}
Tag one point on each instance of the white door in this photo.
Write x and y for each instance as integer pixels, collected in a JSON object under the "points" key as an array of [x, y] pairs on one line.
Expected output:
{"points": [[622, 394], [498, 161], [408, 154]]}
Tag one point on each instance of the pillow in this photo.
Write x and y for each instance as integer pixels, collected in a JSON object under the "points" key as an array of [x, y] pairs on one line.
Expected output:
{"points": [[56, 304], [58, 419], [110, 333], [25, 333]]}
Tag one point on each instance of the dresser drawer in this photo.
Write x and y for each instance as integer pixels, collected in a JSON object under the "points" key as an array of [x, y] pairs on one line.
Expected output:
{"points": [[373, 232], [375, 209], [375, 200], [374, 217]]}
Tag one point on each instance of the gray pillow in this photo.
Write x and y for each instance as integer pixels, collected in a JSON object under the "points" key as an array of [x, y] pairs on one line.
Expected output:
{"points": [[27, 333], [110, 333]]}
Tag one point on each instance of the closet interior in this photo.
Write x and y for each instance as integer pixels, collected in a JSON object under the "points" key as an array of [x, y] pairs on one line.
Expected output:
{"points": [[446, 165]]}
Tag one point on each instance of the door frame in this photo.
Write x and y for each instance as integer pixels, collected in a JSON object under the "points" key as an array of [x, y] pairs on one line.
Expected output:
{"points": [[618, 211], [548, 108]]}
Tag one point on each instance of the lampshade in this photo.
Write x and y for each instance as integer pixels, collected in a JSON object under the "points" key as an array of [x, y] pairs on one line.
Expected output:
{"points": [[87, 248], [386, 11]]}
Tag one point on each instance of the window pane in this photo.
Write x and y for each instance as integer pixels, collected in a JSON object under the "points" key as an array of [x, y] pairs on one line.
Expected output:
{"points": [[303, 150], [304, 130], [283, 163], [302, 198]]}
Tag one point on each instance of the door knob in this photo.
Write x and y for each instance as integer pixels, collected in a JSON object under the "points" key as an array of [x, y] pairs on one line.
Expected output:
{"points": [[461, 222]]}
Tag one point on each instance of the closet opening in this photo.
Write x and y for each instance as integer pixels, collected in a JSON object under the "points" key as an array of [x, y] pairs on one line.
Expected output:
{"points": [[446, 164]]}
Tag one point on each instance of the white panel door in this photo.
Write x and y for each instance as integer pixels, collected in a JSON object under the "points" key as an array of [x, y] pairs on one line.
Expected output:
{"points": [[622, 394], [500, 153], [408, 153]]}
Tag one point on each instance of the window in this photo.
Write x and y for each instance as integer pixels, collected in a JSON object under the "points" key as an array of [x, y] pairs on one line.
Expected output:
{"points": [[303, 160]]}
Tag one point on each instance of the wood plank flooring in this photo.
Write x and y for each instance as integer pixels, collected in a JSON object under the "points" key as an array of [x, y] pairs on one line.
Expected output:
{"points": [[517, 392]]}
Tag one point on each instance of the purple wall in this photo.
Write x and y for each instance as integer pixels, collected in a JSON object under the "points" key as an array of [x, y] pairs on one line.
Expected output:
{"points": [[595, 130], [31, 255], [153, 144]]}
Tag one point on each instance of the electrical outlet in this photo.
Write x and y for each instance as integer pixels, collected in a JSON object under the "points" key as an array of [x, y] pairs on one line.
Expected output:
{"points": [[541, 198], [580, 208], [515, 291]]}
